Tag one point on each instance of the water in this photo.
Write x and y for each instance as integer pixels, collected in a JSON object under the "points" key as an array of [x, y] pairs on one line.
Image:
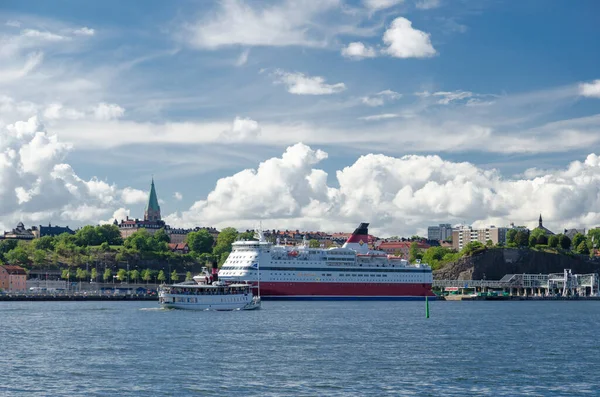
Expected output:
{"points": [[300, 349]]}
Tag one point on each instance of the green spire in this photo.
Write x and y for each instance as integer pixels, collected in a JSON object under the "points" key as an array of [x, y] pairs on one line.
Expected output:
{"points": [[152, 212], [152, 199]]}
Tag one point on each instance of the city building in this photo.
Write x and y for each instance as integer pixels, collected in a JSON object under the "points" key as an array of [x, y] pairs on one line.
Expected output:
{"points": [[400, 248], [442, 232], [180, 248], [13, 278], [52, 231], [153, 222], [466, 234], [541, 227], [570, 233], [21, 233]]}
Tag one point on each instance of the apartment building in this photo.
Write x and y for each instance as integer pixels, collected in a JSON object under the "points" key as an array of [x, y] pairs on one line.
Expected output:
{"points": [[464, 235]]}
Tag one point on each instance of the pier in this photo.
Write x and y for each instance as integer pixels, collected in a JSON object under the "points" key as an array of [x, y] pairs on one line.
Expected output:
{"points": [[553, 285]]}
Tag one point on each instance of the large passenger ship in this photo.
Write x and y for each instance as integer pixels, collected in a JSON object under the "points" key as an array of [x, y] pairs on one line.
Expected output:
{"points": [[352, 271]]}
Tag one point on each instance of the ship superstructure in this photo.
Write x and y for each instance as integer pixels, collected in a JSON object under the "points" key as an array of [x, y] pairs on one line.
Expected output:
{"points": [[352, 271]]}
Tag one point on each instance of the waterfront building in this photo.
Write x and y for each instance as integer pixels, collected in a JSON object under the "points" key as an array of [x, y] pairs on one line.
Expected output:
{"points": [[13, 278], [400, 248], [442, 232], [153, 222], [464, 235], [544, 229], [52, 231], [21, 233], [570, 233]]}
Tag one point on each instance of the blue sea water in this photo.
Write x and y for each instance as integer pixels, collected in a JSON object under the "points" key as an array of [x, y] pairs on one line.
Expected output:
{"points": [[301, 349]]}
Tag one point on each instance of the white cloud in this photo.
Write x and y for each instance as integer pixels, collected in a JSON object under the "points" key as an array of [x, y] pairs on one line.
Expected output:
{"points": [[301, 84], [108, 111], [13, 24], [37, 34], [242, 129], [404, 41], [396, 195], [133, 196], [36, 185], [381, 4], [177, 196], [237, 22], [590, 89], [427, 4], [380, 98], [448, 97], [57, 111], [243, 58], [358, 50], [84, 31], [30, 63], [377, 117]]}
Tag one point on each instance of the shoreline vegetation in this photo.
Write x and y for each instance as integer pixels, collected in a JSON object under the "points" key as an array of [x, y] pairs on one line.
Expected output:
{"points": [[99, 253]]}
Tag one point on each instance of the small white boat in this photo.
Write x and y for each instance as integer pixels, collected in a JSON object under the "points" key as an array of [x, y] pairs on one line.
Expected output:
{"points": [[208, 296]]}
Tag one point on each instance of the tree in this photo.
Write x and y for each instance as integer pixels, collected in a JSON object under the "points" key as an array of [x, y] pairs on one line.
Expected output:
{"points": [[248, 235], [314, 243], [39, 257], [510, 236], [87, 235], [553, 241], [122, 275], [188, 276], [147, 275], [110, 234], [414, 252], [135, 275], [489, 243], [522, 238], [472, 248], [582, 248], [161, 276], [81, 274], [532, 240], [45, 243], [577, 240], [161, 236], [200, 242], [564, 242], [174, 276], [594, 237], [107, 275], [224, 240], [94, 275], [65, 275], [17, 256], [105, 247], [542, 239]]}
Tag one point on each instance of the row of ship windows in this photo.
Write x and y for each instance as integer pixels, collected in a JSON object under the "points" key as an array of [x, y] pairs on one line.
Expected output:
{"points": [[195, 300]]}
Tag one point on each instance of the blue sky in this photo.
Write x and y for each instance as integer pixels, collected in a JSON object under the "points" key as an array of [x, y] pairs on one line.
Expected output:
{"points": [[197, 91]]}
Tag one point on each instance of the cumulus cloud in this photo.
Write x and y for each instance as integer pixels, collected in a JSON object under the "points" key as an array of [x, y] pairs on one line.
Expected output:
{"points": [[242, 129], [590, 89], [376, 5], [358, 50], [380, 98], [134, 196], [37, 185], [301, 84], [37, 34], [177, 196], [400, 40], [84, 31], [397, 195], [239, 22], [108, 111], [404, 41]]}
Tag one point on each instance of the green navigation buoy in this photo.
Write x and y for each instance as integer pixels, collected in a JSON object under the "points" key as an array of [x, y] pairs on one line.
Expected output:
{"points": [[426, 307]]}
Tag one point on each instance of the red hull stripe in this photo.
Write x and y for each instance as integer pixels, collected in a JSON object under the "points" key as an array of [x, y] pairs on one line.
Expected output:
{"points": [[345, 289]]}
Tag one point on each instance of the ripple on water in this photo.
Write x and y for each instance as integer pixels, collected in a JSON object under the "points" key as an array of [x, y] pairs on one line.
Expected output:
{"points": [[300, 349]]}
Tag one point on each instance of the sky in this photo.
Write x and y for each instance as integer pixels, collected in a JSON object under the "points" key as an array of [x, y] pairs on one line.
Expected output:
{"points": [[301, 114]]}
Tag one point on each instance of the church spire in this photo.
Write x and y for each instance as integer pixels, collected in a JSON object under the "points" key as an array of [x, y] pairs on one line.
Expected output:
{"points": [[152, 212], [540, 221]]}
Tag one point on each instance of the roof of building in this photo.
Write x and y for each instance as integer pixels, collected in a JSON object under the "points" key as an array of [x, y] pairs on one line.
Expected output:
{"points": [[178, 246], [152, 199], [54, 230], [15, 270]]}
